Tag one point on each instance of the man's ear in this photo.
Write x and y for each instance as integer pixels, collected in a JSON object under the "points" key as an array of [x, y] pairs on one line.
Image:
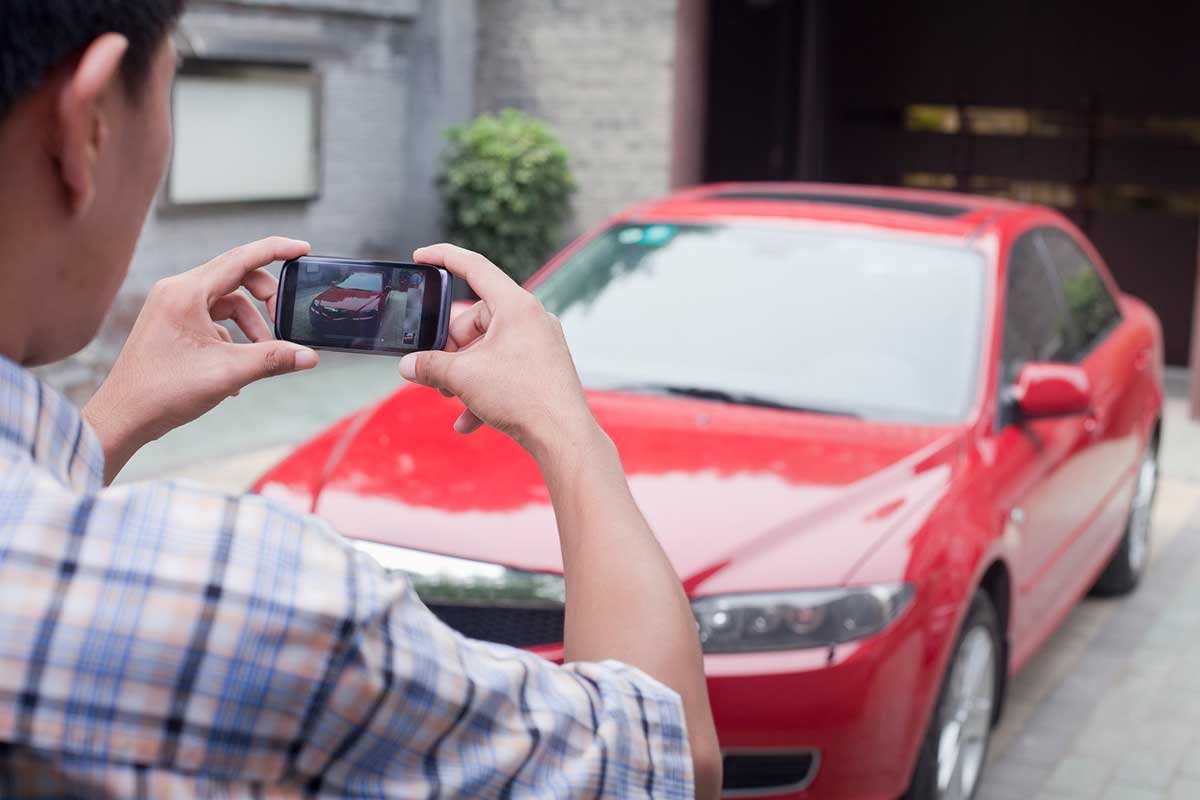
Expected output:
{"points": [[82, 127]]}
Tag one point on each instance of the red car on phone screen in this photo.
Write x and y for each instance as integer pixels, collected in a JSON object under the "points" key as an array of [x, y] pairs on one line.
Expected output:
{"points": [[888, 439], [354, 305]]}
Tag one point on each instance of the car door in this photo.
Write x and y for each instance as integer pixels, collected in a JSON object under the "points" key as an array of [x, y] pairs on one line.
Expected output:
{"points": [[1113, 355], [1035, 494]]}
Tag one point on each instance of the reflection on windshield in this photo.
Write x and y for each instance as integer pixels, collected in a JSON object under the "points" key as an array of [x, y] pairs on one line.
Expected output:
{"points": [[857, 323], [363, 281]]}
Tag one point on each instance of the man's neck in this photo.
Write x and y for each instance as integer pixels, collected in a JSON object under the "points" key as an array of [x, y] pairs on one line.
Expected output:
{"points": [[29, 246], [16, 319], [20, 264]]}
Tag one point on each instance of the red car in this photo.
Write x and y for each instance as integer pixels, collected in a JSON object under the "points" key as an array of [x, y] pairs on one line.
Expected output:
{"points": [[353, 305], [888, 439]]}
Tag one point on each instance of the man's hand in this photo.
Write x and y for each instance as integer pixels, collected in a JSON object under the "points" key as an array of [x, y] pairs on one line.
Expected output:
{"points": [[505, 358], [508, 361], [179, 363]]}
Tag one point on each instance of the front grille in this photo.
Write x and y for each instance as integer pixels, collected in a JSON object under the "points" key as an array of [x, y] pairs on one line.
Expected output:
{"points": [[516, 626], [748, 774]]}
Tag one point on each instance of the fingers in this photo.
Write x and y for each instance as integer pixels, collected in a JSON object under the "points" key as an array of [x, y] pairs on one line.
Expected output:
{"points": [[264, 286], [226, 272], [221, 333], [431, 368], [239, 308], [484, 277], [252, 362], [467, 422], [428, 368], [468, 326]]}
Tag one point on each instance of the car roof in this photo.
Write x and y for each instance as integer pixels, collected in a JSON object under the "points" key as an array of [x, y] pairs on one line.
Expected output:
{"points": [[915, 210]]}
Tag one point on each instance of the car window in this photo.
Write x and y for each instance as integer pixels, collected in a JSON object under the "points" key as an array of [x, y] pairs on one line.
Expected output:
{"points": [[1091, 306], [1036, 327], [852, 321], [364, 281]]}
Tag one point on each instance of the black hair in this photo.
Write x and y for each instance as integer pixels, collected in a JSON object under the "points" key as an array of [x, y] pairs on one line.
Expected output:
{"points": [[38, 35]]}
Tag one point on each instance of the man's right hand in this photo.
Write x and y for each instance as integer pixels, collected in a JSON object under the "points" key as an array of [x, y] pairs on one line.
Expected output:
{"points": [[178, 363], [506, 359]]}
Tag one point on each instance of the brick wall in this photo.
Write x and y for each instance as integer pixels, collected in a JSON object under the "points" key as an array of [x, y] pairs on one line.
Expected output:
{"points": [[601, 73]]}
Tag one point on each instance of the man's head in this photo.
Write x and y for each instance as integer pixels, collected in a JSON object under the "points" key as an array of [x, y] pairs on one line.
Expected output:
{"points": [[84, 139]]}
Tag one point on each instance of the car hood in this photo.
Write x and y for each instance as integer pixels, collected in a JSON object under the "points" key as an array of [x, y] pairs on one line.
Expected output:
{"points": [[346, 299], [739, 497]]}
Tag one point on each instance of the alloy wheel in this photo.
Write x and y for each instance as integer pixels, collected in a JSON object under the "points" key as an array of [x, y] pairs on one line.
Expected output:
{"points": [[966, 722], [1143, 503]]}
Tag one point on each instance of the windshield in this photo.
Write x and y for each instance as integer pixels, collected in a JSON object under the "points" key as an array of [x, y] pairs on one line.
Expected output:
{"points": [[843, 322], [363, 281]]}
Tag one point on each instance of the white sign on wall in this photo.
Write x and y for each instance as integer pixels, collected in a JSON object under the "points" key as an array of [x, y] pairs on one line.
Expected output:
{"points": [[245, 133]]}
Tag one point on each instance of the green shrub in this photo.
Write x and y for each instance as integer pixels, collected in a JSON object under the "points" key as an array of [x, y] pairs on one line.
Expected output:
{"points": [[506, 190]]}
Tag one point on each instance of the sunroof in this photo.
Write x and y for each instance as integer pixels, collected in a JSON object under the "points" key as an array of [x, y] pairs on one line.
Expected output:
{"points": [[885, 203]]}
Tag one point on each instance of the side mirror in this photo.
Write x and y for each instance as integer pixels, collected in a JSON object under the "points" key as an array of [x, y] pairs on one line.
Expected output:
{"points": [[1051, 390]]}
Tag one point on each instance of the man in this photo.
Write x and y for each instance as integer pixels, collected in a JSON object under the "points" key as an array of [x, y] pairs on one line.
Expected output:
{"points": [[163, 639]]}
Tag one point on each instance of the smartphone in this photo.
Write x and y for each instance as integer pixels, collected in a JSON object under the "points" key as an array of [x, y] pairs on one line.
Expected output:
{"points": [[375, 307]]}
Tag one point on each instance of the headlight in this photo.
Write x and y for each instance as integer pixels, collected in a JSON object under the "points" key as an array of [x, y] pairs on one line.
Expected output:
{"points": [[742, 623], [439, 579]]}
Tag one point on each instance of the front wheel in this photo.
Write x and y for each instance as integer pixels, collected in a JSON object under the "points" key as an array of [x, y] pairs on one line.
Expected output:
{"points": [[952, 756], [1128, 562]]}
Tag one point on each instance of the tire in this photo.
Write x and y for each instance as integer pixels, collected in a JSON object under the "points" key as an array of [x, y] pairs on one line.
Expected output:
{"points": [[1128, 563], [950, 767]]}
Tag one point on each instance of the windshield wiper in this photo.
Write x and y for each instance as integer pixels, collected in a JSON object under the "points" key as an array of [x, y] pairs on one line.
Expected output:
{"points": [[726, 396]]}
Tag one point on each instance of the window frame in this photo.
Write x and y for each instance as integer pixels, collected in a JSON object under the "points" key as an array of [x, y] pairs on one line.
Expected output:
{"points": [[1081, 349], [301, 73]]}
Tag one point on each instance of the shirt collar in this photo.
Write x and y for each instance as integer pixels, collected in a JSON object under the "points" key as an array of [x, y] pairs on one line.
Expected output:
{"points": [[45, 427]]}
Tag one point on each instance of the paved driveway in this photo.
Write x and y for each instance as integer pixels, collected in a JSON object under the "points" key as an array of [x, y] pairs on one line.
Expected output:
{"points": [[1110, 708]]}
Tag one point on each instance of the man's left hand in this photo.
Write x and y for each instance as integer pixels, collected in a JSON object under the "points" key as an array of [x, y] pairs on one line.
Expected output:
{"points": [[179, 362]]}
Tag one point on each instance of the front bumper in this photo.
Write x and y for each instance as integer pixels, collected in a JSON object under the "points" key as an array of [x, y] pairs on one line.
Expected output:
{"points": [[362, 325], [857, 713], [841, 722]]}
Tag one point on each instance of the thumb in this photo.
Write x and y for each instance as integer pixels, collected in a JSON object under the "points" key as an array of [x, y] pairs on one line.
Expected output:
{"points": [[265, 359], [428, 368]]}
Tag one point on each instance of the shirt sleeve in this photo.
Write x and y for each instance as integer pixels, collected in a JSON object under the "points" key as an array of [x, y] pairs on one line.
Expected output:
{"points": [[171, 625]]}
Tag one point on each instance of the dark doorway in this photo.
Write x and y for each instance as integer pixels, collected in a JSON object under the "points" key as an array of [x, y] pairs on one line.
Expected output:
{"points": [[1087, 107], [753, 90]]}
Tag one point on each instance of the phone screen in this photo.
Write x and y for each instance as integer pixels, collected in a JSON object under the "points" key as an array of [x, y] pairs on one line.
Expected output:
{"points": [[360, 305]]}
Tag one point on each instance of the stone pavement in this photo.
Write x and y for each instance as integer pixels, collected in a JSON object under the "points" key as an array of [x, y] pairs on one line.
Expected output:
{"points": [[1117, 708], [232, 444], [1108, 709]]}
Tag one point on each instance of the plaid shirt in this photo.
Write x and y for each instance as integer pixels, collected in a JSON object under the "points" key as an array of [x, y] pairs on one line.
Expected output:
{"points": [[166, 640]]}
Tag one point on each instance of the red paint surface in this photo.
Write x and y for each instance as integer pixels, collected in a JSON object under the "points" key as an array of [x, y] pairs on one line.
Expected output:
{"points": [[336, 297], [748, 499], [1052, 390]]}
